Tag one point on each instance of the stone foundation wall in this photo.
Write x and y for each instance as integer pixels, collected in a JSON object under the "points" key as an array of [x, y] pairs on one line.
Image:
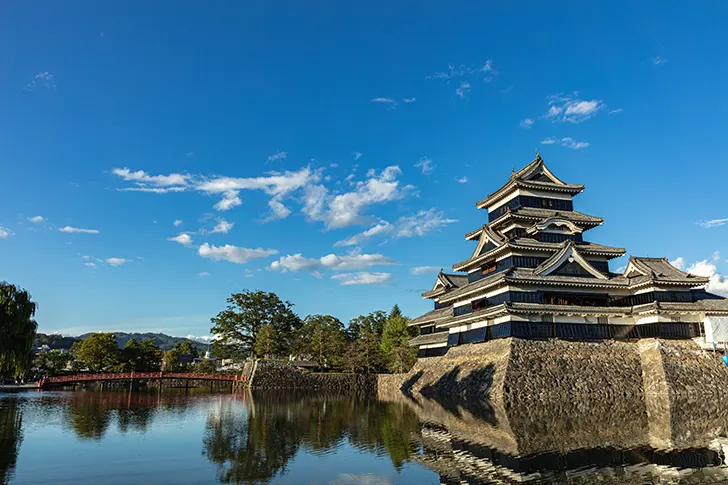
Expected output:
{"points": [[276, 375]]}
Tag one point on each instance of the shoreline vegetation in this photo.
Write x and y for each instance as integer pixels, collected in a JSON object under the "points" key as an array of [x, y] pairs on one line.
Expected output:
{"points": [[254, 325]]}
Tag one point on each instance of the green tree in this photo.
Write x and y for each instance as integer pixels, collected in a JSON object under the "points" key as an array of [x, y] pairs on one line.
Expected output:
{"points": [[52, 363], [170, 361], [395, 312], [99, 352], [365, 332], [266, 342], [205, 367], [141, 357], [399, 354], [187, 348], [238, 325], [323, 337], [17, 329]]}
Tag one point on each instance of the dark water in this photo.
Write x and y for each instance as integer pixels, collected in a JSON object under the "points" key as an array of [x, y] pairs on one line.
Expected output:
{"points": [[286, 438]]}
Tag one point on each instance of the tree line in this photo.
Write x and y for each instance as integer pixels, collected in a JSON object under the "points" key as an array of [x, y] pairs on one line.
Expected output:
{"points": [[260, 324]]}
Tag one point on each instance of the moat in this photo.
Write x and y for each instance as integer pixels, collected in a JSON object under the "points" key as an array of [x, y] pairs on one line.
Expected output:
{"points": [[285, 437]]}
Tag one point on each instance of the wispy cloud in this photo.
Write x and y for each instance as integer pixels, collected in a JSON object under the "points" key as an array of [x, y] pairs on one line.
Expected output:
{"points": [[707, 224], [177, 222], [362, 278], [462, 180], [233, 254], [463, 90], [78, 230], [567, 142], [184, 239], [158, 184], [36, 219], [355, 260], [420, 270], [615, 111], [223, 227], [5, 232], [658, 60], [277, 156], [117, 261], [90, 264], [569, 108], [418, 225], [527, 123], [383, 227], [409, 100], [425, 165], [42, 80], [391, 101], [357, 155], [203, 274], [454, 71]]}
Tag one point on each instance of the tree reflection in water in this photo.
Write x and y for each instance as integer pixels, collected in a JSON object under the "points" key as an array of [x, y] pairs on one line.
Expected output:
{"points": [[255, 445], [11, 435]]}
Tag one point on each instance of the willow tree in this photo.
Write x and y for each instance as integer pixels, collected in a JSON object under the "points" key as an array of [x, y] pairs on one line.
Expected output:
{"points": [[17, 329]]}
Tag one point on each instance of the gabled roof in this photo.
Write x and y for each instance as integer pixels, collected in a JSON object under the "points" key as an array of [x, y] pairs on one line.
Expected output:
{"points": [[529, 244], [536, 215], [659, 270], [491, 233], [535, 175], [432, 316], [444, 283], [556, 221], [568, 254]]}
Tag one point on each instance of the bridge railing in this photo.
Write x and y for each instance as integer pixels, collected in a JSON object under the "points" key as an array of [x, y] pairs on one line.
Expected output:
{"points": [[138, 375]]}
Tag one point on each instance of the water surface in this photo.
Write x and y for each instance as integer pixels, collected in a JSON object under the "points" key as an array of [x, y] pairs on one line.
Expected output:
{"points": [[182, 437]]}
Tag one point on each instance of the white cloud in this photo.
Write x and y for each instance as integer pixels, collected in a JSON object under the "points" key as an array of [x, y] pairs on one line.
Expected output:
{"points": [[203, 274], [620, 270], [117, 261], [463, 90], [177, 222], [5, 232], [345, 209], [184, 239], [426, 165], [223, 227], [36, 219], [716, 256], [409, 100], [712, 223], [76, 229], [679, 263], [277, 156], [527, 123], [90, 265], [420, 270], [362, 278], [463, 70], [718, 283], [462, 180], [658, 60], [421, 224], [390, 101], [158, 184], [205, 339], [568, 108], [42, 80], [615, 111], [355, 260], [233, 254], [86, 257], [567, 142], [275, 184], [407, 226], [357, 156], [383, 227]]}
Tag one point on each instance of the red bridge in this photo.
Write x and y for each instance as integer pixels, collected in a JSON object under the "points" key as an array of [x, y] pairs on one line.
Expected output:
{"points": [[137, 375]]}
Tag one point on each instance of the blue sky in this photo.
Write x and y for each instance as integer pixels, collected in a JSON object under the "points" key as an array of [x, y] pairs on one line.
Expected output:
{"points": [[325, 150]]}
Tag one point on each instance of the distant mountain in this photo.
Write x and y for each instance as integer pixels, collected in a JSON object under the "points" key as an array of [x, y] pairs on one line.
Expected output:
{"points": [[164, 341]]}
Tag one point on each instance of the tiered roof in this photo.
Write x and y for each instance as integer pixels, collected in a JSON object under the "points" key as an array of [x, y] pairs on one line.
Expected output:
{"points": [[570, 264]]}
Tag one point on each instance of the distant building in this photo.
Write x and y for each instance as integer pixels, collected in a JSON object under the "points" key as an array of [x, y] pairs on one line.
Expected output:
{"points": [[532, 274]]}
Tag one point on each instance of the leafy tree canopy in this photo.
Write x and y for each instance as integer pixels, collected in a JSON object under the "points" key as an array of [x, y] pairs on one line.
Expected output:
{"points": [[323, 337], [400, 355], [238, 325], [99, 352], [17, 329], [266, 343]]}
